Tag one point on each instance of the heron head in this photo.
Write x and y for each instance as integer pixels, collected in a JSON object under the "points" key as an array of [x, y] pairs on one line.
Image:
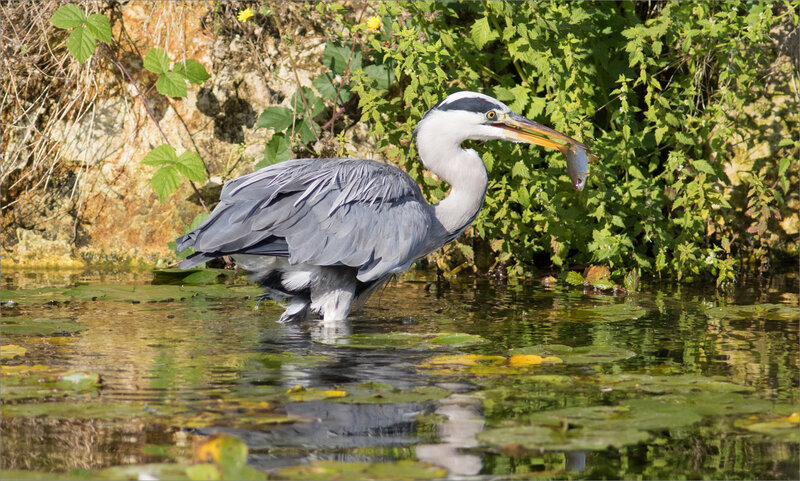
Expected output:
{"points": [[472, 115]]}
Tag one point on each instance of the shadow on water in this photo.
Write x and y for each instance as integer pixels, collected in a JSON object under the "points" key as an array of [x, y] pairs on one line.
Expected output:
{"points": [[479, 379]]}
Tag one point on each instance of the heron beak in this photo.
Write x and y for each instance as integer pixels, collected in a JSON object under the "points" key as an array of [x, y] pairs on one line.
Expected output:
{"points": [[520, 129]]}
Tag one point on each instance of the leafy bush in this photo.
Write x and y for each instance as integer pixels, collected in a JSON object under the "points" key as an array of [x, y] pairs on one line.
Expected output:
{"points": [[670, 96]]}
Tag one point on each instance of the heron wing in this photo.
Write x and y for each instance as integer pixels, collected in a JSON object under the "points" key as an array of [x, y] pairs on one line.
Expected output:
{"points": [[353, 212]]}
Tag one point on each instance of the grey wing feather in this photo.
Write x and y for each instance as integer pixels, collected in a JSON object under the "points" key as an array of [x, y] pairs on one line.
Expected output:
{"points": [[353, 212]]}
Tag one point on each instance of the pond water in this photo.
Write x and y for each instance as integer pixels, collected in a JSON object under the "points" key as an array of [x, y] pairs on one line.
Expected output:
{"points": [[107, 376]]}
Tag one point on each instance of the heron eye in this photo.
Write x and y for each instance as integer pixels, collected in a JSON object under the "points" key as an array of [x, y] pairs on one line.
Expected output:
{"points": [[491, 115]]}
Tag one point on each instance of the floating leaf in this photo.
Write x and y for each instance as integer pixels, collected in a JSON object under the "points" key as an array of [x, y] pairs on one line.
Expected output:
{"points": [[10, 351], [333, 470], [577, 355], [409, 340], [547, 438], [607, 313], [772, 312], [668, 384], [377, 393], [24, 326], [521, 360], [300, 393], [78, 410]]}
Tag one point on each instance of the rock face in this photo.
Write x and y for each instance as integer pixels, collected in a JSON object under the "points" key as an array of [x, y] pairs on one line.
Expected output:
{"points": [[73, 187]]}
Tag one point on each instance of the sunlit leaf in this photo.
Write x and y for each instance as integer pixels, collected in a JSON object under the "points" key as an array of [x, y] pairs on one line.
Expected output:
{"points": [[156, 61], [68, 16], [171, 84], [81, 44], [100, 27]]}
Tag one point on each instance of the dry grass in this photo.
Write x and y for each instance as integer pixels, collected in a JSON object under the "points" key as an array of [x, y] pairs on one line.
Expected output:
{"points": [[42, 87]]}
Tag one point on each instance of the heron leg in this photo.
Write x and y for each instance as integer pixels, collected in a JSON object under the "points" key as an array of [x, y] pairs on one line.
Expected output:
{"points": [[333, 292]]}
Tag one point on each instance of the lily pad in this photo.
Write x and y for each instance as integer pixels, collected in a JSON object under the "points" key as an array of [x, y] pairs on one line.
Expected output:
{"points": [[607, 313], [408, 340], [10, 351], [192, 277], [786, 428], [576, 355], [770, 312], [377, 393], [555, 439], [25, 326], [668, 384], [33, 296], [333, 470], [79, 410]]}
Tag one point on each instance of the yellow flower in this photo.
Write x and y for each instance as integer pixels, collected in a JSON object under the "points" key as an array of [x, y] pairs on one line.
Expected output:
{"points": [[374, 23], [245, 14]]}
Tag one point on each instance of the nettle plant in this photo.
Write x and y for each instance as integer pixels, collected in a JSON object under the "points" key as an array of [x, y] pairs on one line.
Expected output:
{"points": [[314, 112], [171, 82], [663, 93]]}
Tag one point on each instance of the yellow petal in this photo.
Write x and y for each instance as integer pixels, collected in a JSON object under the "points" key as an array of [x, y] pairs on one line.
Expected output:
{"points": [[374, 23]]}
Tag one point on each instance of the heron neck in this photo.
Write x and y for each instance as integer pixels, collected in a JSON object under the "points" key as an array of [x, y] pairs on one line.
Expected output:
{"points": [[464, 170]]}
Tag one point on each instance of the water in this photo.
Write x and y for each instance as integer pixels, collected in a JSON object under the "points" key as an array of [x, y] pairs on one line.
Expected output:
{"points": [[668, 383]]}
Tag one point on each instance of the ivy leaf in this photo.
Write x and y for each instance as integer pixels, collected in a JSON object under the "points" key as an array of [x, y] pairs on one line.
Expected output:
{"points": [[482, 32], [100, 27], [191, 166], [165, 181], [156, 61], [275, 118], [164, 154], [171, 84], [68, 16], [192, 70], [81, 44]]}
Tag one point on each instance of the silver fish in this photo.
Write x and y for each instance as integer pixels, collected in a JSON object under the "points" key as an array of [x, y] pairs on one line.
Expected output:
{"points": [[577, 165]]}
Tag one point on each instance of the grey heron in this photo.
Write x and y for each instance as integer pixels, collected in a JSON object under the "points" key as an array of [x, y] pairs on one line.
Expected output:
{"points": [[324, 234]]}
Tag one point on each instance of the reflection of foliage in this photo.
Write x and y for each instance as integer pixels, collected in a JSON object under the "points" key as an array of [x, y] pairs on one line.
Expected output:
{"points": [[671, 96]]}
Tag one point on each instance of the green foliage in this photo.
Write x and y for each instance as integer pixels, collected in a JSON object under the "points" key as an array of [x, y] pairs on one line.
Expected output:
{"points": [[298, 128], [82, 42], [666, 95], [173, 82], [167, 179]]}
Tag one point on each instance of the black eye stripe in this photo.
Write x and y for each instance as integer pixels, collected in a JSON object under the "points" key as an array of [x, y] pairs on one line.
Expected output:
{"points": [[470, 104]]}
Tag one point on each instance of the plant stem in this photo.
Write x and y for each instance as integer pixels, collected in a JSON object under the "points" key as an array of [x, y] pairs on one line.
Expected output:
{"points": [[118, 63]]}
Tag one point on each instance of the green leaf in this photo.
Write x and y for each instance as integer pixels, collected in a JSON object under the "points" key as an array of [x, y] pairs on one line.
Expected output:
{"points": [[277, 150], [324, 85], [171, 84], [81, 44], [156, 61], [164, 154], [574, 278], [68, 16], [482, 32], [703, 166], [383, 74], [275, 118], [100, 27], [306, 134], [335, 58], [192, 70], [520, 170], [165, 181], [191, 166]]}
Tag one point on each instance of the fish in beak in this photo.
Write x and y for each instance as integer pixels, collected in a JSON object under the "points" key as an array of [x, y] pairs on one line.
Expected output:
{"points": [[521, 129]]}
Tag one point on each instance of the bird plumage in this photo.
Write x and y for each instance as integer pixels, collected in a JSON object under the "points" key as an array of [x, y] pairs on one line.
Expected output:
{"points": [[326, 233]]}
